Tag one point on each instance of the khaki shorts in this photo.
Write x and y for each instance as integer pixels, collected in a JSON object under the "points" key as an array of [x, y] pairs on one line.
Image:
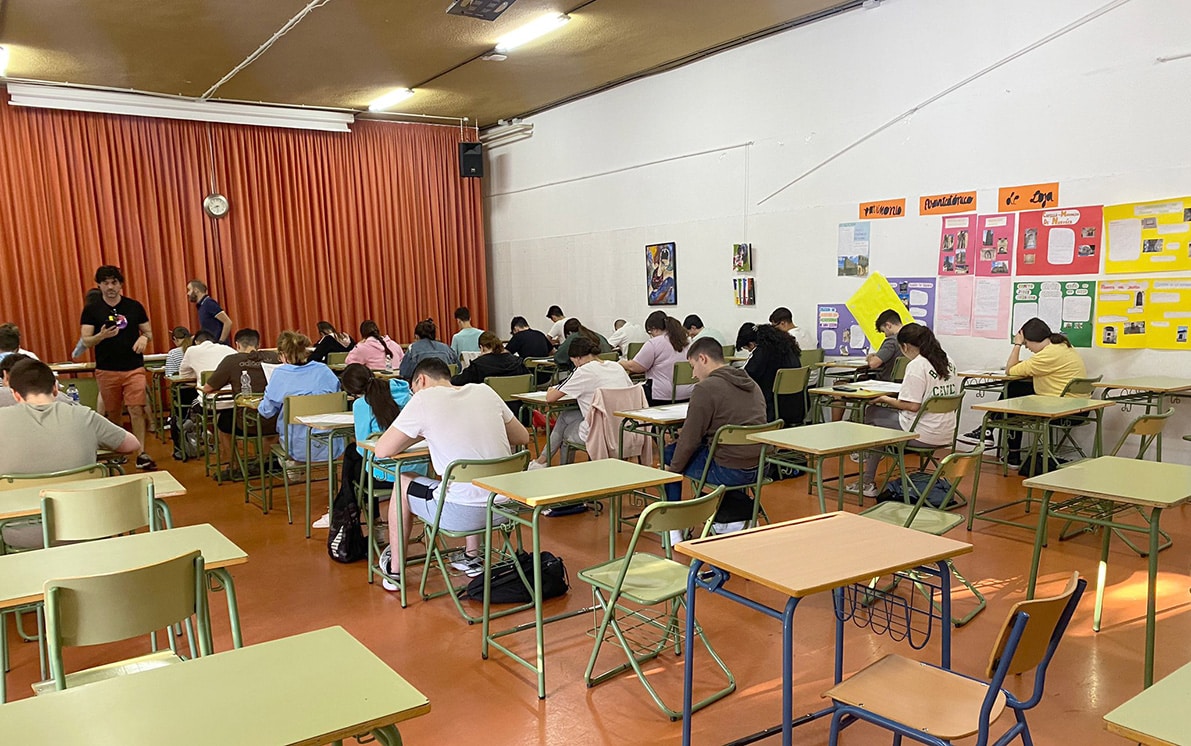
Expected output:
{"points": [[121, 388]]}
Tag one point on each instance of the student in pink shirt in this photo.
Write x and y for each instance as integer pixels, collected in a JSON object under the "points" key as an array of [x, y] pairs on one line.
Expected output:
{"points": [[374, 350], [666, 346]]}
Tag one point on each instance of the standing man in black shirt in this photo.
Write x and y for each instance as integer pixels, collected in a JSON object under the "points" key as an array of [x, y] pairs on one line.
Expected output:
{"points": [[118, 329]]}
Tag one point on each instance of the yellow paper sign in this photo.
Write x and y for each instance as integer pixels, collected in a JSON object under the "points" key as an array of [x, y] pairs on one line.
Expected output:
{"points": [[1144, 313], [1148, 236], [874, 297]]}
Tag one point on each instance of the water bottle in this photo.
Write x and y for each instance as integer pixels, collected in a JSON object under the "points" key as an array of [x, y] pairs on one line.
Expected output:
{"points": [[72, 392], [389, 363], [245, 383]]}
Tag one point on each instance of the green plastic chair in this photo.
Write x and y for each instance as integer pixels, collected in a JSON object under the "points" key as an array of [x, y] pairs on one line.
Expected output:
{"points": [[612, 356], [647, 580], [899, 368], [98, 609], [293, 408], [88, 389], [633, 349], [936, 521], [791, 382], [729, 351], [683, 375], [1083, 388], [810, 358], [336, 358], [737, 435], [935, 405], [466, 470]]}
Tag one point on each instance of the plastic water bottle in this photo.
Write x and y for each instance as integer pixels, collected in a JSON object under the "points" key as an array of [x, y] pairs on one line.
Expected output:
{"points": [[72, 392], [389, 363], [245, 383]]}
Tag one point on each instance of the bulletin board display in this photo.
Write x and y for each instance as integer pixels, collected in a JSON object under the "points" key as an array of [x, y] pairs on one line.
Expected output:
{"points": [[1148, 237], [1066, 241], [1065, 305], [1143, 313]]}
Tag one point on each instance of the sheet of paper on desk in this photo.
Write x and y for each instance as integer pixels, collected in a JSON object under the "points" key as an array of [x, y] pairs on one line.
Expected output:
{"points": [[888, 387], [978, 373], [675, 410], [331, 418]]}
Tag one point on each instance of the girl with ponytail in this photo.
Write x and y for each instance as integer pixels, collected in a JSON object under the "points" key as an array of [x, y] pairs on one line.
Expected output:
{"points": [[666, 346], [375, 351]]}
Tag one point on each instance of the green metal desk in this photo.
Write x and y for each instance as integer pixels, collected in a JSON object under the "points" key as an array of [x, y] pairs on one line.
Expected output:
{"points": [[326, 428], [652, 422], [26, 501], [1150, 392], [536, 400], [391, 467]]}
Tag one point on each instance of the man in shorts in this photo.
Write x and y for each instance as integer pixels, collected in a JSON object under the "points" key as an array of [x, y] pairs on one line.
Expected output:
{"points": [[118, 330]]}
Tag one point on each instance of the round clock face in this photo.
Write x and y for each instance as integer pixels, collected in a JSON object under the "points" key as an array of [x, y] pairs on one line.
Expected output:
{"points": [[216, 205]]}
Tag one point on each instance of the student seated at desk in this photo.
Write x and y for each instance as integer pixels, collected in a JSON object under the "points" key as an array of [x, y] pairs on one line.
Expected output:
{"points": [[426, 345], [928, 373], [666, 346], [231, 373], [469, 422], [724, 396], [7, 397], [572, 330], [626, 333], [467, 339], [10, 342], [495, 360], [525, 342], [205, 354], [330, 341], [881, 362], [775, 350], [375, 351], [746, 342], [173, 359], [695, 329], [591, 373], [557, 320]]}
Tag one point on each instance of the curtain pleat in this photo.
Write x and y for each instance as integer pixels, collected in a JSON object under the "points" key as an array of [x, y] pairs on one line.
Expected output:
{"points": [[375, 224]]}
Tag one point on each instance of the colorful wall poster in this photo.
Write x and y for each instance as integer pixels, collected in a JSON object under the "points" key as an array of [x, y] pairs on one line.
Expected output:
{"points": [[838, 332], [955, 245], [918, 295], [1065, 305], [995, 233], [866, 304], [1060, 242], [1148, 236], [947, 204], [853, 249], [953, 306], [745, 291], [1143, 313], [1028, 197], [742, 257], [660, 277], [990, 306]]}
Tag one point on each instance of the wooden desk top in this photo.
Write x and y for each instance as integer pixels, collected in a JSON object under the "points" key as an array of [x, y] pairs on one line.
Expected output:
{"points": [[991, 375], [822, 552], [831, 438], [857, 362], [182, 380], [1129, 480], [666, 414], [417, 450], [71, 367], [570, 482], [1159, 715], [26, 501], [1046, 407], [1155, 384], [539, 398], [23, 574], [545, 362], [328, 420], [859, 393], [254, 689]]}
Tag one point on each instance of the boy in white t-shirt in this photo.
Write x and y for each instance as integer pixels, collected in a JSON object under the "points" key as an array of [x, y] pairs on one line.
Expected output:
{"points": [[468, 422], [591, 373]]}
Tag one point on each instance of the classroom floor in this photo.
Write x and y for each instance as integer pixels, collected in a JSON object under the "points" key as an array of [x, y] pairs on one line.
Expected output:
{"points": [[290, 585]]}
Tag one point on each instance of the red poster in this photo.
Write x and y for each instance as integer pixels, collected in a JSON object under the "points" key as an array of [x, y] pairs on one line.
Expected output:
{"points": [[994, 255], [1064, 241], [957, 245]]}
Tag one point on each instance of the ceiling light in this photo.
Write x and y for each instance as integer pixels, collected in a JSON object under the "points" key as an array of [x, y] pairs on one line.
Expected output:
{"points": [[531, 31], [390, 99], [3, 61]]}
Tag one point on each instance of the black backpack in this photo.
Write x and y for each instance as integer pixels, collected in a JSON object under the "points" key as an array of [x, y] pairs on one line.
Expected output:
{"points": [[345, 541], [507, 587]]}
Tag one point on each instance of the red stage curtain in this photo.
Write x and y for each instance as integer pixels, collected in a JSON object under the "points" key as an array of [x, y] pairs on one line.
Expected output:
{"points": [[375, 224]]}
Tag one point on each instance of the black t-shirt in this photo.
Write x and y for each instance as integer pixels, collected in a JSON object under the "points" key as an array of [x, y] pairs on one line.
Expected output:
{"points": [[529, 343], [116, 353]]}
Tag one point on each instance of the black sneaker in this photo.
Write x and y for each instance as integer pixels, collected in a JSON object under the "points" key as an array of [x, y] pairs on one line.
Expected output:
{"points": [[974, 438], [144, 463]]}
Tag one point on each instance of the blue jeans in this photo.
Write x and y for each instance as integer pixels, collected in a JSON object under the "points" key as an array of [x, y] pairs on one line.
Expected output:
{"points": [[736, 505]]}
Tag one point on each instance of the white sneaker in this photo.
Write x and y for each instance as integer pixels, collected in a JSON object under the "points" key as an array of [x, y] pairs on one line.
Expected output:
{"points": [[727, 528], [855, 457], [324, 522], [535, 464], [385, 563], [471, 564], [870, 490]]}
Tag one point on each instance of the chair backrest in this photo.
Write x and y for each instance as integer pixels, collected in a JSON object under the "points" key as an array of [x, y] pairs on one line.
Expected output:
{"points": [[664, 515], [791, 381], [1146, 427], [809, 358], [20, 481], [1030, 644], [88, 389], [633, 349], [613, 356], [729, 351], [465, 470], [203, 376], [738, 435], [506, 386], [454, 368], [96, 609], [308, 404], [1081, 387], [941, 405], [684, 375], [98, 512], [899, 368], [954, 468], [336, 358]]}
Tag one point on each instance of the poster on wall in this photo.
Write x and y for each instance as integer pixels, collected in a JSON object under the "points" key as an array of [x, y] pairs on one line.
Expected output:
{"points": [[660, 275], [874, 297], [744, 291], [955, 250], [990, 306], [852, 252], [742, 257], [1143, 313], [1148, 236], [1065, 305], [1060, 242], [918, 295], [995, 255], [953, 306], [838, 332]]}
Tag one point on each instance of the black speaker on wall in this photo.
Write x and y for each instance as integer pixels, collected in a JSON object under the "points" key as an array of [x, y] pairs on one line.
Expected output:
{"points": [[471, 159]]}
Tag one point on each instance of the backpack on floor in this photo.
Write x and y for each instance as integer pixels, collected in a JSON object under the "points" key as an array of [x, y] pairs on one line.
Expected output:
{"points": [[345, 541], [918, 481], [507, 587]]}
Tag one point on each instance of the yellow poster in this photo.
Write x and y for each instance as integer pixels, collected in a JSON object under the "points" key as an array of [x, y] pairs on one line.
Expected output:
{"points": [[867, 303], [1144, 313], [1148, 236]]}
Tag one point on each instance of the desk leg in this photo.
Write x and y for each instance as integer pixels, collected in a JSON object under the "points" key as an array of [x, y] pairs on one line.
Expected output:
{"points": [[1101, 575], [539, 624], [787, 670], [1161, 402], [546, 415], [688, 668], [945, 613], [1039, 541], [841, 481], [818, 470], [233, 609], [1151, 589], [371, 556], [309, 435]]}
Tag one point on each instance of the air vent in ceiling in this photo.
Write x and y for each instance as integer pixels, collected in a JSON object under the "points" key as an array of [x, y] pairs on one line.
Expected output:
{"points": [[485, 10]]}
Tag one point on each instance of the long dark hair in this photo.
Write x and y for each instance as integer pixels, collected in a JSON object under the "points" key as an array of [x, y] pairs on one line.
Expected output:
{"points": [[776, 344], [425, 330], [1036, 330], [370, 329], [671, 326], [923, 338], [746, 335], [357, 380], [574, 326]]}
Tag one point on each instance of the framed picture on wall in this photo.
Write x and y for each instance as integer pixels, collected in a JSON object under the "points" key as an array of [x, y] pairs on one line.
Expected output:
{"points": [[660, 278], [742, 257]]}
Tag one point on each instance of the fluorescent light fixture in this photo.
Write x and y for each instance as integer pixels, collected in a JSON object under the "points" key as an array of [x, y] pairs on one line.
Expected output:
{"points": [[531, 31], [166, 107], [390, 99], [3, 61]]}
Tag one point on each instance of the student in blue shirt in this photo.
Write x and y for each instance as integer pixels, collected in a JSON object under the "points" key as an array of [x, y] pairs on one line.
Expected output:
{"points": [[426, 345], [467, 339], [297, 376]]}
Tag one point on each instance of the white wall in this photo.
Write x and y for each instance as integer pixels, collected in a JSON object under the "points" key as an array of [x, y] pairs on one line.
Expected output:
{"points": [[1091, 109]]}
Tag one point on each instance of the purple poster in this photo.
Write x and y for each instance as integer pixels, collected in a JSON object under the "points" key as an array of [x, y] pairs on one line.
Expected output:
{"points": [[838, 333], [918, 293]]}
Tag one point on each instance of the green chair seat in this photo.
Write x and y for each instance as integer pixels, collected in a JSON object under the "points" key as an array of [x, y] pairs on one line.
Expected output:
{"points": [[107, 671], [928, 520], [650, 580]]}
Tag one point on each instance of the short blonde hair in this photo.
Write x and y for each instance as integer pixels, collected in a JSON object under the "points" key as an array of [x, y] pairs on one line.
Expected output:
{"points": [[295, 346]]}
